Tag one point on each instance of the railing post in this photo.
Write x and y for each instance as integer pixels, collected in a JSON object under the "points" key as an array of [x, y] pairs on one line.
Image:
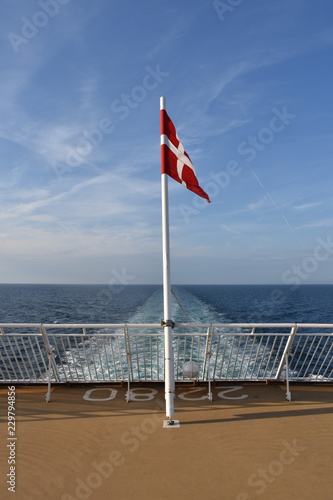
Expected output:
{"points": [[288, 393], [208, 354], [284, 359], [52, 363], [129, 363]]}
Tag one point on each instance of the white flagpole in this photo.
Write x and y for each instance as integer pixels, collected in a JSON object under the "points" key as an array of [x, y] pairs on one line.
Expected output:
{"points": [[169, 374]]}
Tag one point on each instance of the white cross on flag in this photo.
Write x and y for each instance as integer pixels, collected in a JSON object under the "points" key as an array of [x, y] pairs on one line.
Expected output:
{"points": [[174, 160]]}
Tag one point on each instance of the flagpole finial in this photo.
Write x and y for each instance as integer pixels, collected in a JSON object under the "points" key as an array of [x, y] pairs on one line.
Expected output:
{"points": [[162, 102]]}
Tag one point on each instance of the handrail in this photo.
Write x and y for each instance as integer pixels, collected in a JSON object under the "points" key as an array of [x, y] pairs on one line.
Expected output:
{"points": [[158, 325], [101, 352]]}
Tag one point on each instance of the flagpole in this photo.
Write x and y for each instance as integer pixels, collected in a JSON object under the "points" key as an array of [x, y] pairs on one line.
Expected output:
{"points": [[167, 323]]}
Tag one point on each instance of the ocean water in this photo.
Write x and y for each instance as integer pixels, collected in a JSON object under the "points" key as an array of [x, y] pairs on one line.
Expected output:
{"points": [[144, 303]]}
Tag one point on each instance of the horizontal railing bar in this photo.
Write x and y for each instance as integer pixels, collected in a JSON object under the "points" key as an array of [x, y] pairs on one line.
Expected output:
{"points": [[158, 326], [175, 334], [250, 325], [79, 325]]}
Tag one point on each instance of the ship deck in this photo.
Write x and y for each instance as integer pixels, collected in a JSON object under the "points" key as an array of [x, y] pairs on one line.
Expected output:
{"points": [[255, 444]]}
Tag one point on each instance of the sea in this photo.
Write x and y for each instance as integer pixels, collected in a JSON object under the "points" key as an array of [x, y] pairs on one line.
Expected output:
{"points": [[24, 303]]}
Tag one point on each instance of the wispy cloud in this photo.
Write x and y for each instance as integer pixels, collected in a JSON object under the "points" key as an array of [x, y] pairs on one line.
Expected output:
{"points": [[117, 201], [308, 206], [257, 205], [318, 223]]}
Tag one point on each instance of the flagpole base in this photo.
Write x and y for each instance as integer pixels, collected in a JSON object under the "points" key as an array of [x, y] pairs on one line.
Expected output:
{"points": [[171, 424]]}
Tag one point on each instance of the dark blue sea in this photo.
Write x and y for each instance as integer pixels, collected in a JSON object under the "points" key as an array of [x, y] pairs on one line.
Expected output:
{"points": [[144, 303]]}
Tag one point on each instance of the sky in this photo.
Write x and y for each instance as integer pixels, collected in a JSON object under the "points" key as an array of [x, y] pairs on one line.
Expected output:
{"points": [[248, 85]]}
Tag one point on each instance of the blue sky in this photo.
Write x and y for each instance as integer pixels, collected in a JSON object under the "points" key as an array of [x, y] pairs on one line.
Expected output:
{"points": [[248, 85]]}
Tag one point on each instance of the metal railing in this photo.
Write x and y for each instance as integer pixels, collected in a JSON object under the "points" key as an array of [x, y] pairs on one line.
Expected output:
{"points": [[46, 353]]}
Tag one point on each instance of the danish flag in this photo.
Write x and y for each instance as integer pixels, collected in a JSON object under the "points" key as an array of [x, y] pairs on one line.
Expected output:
{"points": [[174, 160]]}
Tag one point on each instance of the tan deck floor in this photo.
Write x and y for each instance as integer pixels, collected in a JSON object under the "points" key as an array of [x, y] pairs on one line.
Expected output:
{"points": [[258, 447]]}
